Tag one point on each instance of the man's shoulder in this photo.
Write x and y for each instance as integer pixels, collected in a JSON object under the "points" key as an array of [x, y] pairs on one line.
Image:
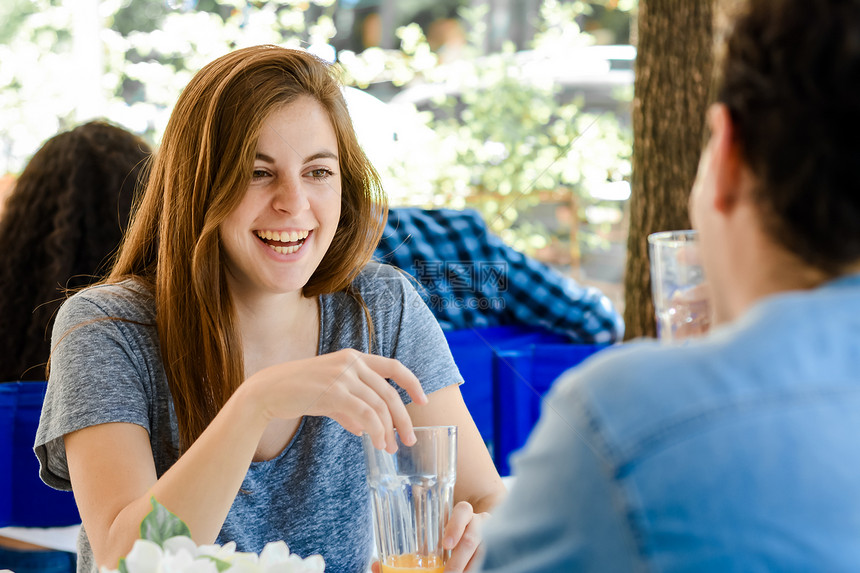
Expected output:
{"points": [[644, 391], [643, 394], [627, 383]]}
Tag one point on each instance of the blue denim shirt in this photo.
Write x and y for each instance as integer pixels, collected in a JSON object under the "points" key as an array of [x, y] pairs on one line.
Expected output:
{"points": [[737, 452]]}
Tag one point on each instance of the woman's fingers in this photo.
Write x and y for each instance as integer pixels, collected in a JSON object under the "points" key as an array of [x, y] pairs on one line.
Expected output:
{"points": [[371, 372], [352, 387], [463, 535], [394, 369], [457, 523], [378, 410], [399, 416], [352, 415]]}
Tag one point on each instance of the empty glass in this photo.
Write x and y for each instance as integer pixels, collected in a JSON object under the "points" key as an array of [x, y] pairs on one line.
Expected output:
{"points": [[678, 287], [412, 492]]}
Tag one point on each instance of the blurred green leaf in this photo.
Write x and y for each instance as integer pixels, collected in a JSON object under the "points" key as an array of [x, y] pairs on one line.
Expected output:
{"points": [[160, 524]]}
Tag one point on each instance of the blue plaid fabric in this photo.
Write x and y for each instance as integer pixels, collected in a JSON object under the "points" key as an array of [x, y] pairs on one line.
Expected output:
{"points": [[471, 279]]}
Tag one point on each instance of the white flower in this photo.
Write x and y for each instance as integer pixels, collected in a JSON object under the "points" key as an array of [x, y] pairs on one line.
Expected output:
{"points": [[185, 562], [144, 557], [181, 555], [224, 552], [181, 543]]}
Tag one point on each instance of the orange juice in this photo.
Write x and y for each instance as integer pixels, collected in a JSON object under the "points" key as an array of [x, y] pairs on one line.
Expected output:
{"points": [[412, 563]]}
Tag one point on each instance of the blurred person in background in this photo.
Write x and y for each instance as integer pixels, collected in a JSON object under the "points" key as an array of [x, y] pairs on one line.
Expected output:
{"points": [[61, 222], [737, 451]]}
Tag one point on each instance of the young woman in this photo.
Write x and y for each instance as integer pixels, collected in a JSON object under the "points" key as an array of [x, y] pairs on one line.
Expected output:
{"points": [[243, 342]]}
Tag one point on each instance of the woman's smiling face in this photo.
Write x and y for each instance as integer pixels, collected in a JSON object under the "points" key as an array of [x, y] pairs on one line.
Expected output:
{"points": [[276, 237]]}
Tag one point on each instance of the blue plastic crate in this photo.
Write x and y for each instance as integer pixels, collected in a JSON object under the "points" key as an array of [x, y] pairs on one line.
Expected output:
{"points": [[523, 377], [474, 351], [24, 500]]}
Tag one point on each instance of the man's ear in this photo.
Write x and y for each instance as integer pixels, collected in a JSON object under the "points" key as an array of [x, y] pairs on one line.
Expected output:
{"points": [[726, 159]]}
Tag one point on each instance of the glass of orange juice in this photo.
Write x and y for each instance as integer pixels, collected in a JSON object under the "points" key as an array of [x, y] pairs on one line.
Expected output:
{"points": [[412, 492]]}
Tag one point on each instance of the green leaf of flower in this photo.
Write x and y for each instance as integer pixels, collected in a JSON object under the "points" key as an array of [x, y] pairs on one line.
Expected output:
{"points": [[220, 564], [160, 525]]}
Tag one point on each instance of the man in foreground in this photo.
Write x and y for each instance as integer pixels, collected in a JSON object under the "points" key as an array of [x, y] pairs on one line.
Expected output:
{"points": [[738, 451]]}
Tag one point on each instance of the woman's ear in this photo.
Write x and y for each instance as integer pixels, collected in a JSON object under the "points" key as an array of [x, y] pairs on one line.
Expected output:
{"points": [[727, 165]]}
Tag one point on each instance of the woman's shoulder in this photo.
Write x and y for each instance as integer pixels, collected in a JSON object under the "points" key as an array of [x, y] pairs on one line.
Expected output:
{"points": [[374, 269], [126, 300], [378, 281]]}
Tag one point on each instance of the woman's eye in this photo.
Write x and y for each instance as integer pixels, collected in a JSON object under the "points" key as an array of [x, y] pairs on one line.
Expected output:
{"points": [[260, 173], [320, 173]]}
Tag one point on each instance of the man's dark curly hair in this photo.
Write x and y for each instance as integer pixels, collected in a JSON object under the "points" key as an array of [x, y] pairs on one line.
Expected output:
{"points": [[790, 77], [61, 224]]}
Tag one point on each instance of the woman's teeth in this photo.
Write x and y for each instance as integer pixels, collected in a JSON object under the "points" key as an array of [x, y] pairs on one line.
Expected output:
{"points": [[283, 237], [284, 242], [285, 250]]}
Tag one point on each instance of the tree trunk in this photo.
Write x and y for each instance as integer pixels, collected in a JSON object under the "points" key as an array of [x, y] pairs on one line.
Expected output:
{"points": [[672, 91]]}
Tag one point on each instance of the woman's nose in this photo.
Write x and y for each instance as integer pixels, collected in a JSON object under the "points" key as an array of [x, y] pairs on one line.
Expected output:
{"points": [[290, 196]]}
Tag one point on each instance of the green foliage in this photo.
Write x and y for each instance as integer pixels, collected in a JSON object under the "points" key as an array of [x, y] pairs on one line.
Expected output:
{"points": [[12, 14], [510, 139], [507, 139], [219, 564], [161, 524], [150, 50]]}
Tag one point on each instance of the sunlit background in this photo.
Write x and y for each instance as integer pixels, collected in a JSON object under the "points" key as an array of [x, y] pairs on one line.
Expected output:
{"points": [[517, 108]]}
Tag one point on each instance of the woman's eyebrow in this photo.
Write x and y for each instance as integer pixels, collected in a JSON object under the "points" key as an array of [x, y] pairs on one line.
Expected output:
{"points": [[321, 155], [308, 159]]}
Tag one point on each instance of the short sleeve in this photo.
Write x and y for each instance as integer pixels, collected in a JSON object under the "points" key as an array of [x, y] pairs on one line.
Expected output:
{"points": [[408, 331], [97, 376]]}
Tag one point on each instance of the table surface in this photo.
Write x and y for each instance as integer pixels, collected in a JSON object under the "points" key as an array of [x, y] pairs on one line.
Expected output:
{"points": [[65, 538], [61, 538]]}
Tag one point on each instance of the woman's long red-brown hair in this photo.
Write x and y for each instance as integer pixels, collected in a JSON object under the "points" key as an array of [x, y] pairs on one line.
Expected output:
{"points": [[198, 176]]}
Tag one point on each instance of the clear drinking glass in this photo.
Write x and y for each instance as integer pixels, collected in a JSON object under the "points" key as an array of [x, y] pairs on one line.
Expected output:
{"points": [[412, 492], [678, 286]]}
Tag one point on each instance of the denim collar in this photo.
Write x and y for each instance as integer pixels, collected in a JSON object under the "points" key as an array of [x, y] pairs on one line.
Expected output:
{"points": [[844, 281]]}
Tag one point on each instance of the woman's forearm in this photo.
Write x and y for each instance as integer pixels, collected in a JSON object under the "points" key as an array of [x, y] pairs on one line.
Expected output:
{"points": [[201, 486], [114, 478]]}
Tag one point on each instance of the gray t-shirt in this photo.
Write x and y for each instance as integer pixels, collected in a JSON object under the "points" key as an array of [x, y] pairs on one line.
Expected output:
{"points": [[313, 495]]}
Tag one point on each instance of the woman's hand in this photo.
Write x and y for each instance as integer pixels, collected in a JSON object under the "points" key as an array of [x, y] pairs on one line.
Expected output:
{"points": [[347, 386], [462, 535]]}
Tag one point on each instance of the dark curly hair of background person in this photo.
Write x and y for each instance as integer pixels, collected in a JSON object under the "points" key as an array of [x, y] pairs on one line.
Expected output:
{"points": [[60, 227], [791, 81]]}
